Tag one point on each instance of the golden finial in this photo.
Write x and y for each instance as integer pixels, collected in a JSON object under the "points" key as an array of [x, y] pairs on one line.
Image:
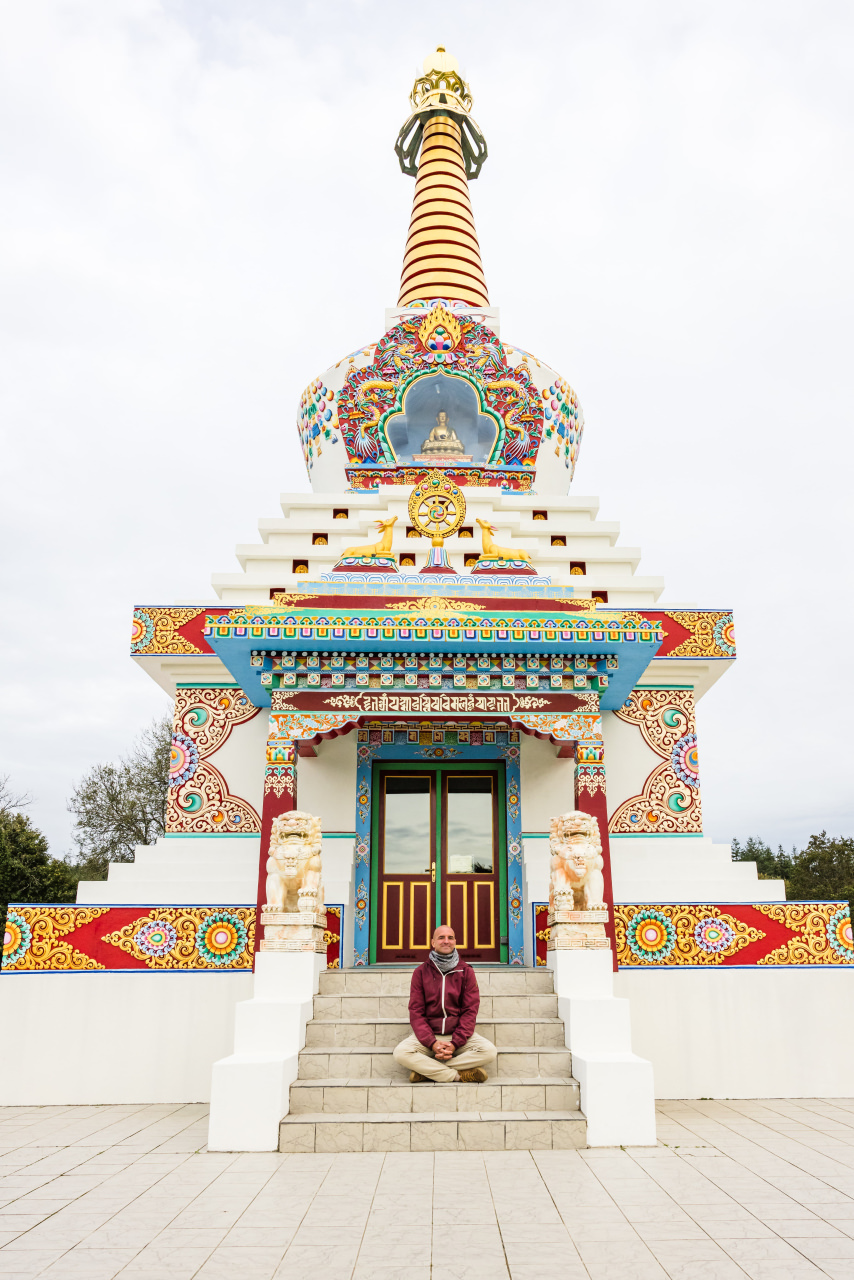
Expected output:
{"points": [[440, 90], [441, 147]]}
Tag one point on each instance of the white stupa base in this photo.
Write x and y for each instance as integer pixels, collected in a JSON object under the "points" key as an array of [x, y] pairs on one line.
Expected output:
{"points": [[249, 1089], [617, 1088]]}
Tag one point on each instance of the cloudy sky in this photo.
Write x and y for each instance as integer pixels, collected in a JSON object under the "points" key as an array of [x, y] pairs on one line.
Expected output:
{"points": [[202, 209]]}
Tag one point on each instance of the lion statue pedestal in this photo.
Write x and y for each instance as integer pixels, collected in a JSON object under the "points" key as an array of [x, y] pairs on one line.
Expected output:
{"points": [[294, 915], [577, 911]]}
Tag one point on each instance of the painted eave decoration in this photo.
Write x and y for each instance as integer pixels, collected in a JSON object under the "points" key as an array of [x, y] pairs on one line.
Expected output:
{"points": [[387, 622]]}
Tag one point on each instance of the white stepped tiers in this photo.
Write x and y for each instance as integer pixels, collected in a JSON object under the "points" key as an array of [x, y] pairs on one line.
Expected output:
{"points": [[181, 870], [685, 869], [593, 542]]}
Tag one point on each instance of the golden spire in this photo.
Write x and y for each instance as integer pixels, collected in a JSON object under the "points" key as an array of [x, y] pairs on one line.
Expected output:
{"points": [[442, 256]]}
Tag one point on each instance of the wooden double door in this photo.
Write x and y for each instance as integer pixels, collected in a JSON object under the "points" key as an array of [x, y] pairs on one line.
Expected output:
{"points": [[439, 858]]}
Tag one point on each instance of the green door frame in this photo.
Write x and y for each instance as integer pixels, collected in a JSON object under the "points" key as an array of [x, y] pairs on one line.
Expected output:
{"points": [[469, 766]]}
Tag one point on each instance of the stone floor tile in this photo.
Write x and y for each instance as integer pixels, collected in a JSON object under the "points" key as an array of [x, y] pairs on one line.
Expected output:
{"points": [[459, 1211], [622, 1232], [706, 1269], [329, 1234], [31, 1262], [672, 1251], [180, 1262], [670, 1230], [327, 1262], [341, 1210], [774, 1269], [368, 1271], [738, 1229], [251, 1236], [620, 1260], [249, 1263], [819, 1248], [744, 1251], [90, 1264], [838, 1269]]}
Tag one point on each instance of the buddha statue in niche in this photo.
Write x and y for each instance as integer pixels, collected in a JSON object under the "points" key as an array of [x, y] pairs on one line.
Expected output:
{"points": [[443, 438]]}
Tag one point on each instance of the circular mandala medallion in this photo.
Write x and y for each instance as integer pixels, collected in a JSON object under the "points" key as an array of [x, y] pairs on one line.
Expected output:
{"points": [[650, 935], [712, 935], [157, 938], [183, 759], [142, 630], [724, 634], [684, 759], [839, 934], [221, 938], [16, 938]]}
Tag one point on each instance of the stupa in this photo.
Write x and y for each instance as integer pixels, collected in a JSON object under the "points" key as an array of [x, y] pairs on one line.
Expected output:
{"points": [[439, 683]]}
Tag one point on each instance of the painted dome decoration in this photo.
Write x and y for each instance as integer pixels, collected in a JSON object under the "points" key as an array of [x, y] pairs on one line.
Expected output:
{"points": [[439, 388]]}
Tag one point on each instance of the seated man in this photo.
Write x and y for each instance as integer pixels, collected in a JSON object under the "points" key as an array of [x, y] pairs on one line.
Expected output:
{"points": [[443, 1004]]}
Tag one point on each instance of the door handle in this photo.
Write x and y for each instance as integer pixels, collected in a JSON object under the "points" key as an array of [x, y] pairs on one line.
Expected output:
{"points": [[432, 873]]}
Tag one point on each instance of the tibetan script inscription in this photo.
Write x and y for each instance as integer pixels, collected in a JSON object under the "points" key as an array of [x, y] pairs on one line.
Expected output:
{"points": [[426, 703]]}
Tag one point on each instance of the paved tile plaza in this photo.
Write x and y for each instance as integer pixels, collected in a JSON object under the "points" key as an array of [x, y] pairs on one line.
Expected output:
{"points": [[761, 1189]]}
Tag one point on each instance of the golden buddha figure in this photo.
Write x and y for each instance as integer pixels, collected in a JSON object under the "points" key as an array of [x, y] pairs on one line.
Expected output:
{"points": [[443, 438]]}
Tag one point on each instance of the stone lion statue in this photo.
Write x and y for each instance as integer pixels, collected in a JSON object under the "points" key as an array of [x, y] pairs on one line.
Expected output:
{"points": [[576, 881], [294, 868]]}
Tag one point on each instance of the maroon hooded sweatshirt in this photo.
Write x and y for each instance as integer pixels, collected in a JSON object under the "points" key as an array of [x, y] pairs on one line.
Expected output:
{"points": [[443, 1004]]}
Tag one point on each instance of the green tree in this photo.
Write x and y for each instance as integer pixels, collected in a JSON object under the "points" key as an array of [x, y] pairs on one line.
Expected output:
{"points": [[769, 865], [27, 871], [823, 870], [118, 806]]}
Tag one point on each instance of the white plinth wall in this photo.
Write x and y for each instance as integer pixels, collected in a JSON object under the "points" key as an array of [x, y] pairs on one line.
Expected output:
{"points": [[617, 1089], [249, 1092]]}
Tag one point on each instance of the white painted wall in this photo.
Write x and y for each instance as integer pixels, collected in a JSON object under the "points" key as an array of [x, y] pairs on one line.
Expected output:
{"points": [[744, 1033], [629, 760], [242, 757], [94, 1038], [339, 859], [326, 783], [548, 784]]}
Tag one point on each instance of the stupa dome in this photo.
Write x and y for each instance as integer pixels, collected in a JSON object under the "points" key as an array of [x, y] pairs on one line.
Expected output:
{"points": [[439, 388]]}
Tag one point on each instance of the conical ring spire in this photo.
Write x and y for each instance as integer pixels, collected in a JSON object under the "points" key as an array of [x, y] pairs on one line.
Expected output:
{"points": [[442, 256]]}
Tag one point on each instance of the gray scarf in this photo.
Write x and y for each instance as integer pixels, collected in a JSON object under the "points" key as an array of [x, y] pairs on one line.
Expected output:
{"points": [[445, 963]]}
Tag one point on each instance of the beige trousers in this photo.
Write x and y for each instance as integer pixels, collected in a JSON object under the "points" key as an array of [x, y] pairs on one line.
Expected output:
{"points": [[415, 1056]]}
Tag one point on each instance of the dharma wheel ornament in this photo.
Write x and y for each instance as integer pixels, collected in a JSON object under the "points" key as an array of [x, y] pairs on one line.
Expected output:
{"points": [[437, 507]]}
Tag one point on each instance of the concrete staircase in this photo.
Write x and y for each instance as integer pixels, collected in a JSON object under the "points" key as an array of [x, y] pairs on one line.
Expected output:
{"points": [[352, 1096]]}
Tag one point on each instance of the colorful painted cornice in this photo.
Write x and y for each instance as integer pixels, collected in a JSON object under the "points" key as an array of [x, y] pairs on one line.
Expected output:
{"points": [[322, 622]]}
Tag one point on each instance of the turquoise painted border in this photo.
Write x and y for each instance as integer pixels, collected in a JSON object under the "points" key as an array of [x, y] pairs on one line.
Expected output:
{"points": [[367, 753]]}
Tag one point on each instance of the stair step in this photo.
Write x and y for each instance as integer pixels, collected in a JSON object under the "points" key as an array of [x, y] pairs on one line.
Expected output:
{"points": [[337, 1033], [362, 1061], [434, 1131], [501, 981], [348, 1005], [503, 1093]]}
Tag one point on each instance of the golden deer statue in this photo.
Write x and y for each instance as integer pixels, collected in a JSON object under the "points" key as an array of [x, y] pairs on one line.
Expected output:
{"points": [[493, 552], [381, 548]]}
